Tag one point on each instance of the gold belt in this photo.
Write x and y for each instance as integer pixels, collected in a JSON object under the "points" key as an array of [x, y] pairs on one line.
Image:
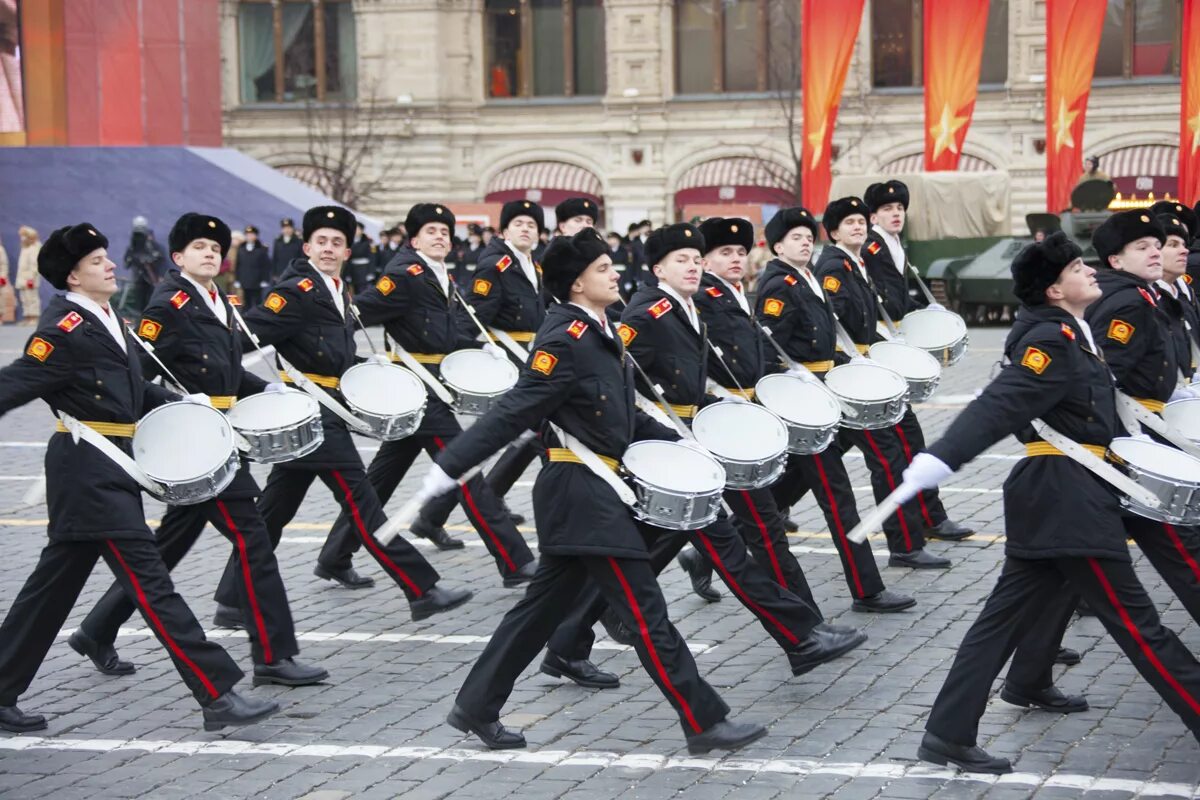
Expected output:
{"points": [[862, 348], [1152, 405], [327, 381], [422, 358], [746, 393], [124, 429], [521, 336], [683, 412], [568, 456], [817, 366], [221, 401], [1047, 449]]}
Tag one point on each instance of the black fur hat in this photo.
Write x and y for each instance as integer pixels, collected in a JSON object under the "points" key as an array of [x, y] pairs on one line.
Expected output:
{"points": [[422, 214], [787, 218], [720, 231], [839, 209], [63, 249], [334, 217], [1122, 228], [880, 194], [192, 226], [670, 238], [1037, 267], [567, 257]]}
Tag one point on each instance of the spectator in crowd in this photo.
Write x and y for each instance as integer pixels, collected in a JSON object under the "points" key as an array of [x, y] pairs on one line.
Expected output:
{"points": [[362, 260], [390, 242], [487, 234], [468, 252], [28, 278], [146, 262], [286, 249], [225, 278], [8, 299], [757, 260], [253, 272], [1092, 171]]}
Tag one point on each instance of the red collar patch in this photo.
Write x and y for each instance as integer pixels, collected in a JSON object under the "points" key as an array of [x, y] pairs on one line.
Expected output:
{"points": [[1149, 297], [790, 280], [70, 322], [234, 300], [660, 308], [504, 263], [415, 269], [873, 248], [1068, 331], [849, 268], [306, 284], [714, 292], [180, 299], [577, 328], [1187, 279]]}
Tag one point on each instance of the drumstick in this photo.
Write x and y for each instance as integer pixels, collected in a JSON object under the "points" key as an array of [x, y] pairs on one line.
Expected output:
{"points": [[408, 512], [487, 337], [802, 371], [875, 518], [363, 328]]}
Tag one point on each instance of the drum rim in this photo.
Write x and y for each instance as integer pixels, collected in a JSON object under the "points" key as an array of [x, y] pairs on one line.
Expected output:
{"points": [[470, 352], [358, 410], [788, 421], [261, 398], [206, 408], [890, 345], [688, 493], [1150, 472], [755, 408], [886, 400]]}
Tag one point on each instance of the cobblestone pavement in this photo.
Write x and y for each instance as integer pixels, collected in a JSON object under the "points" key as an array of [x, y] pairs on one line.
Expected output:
{"points": [[846, 730]]}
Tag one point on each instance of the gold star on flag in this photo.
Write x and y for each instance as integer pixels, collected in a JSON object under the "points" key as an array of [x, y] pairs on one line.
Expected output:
{"points": [[816, 140], [1062, 126], [944, 132]]}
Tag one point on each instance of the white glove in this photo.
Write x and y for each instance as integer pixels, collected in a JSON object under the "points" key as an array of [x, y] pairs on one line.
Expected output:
{"points": [[276, 388], [199, 399], [495, 351], [936, 306], [735, 398], [926, 472], [437, 482], [378, 358]]}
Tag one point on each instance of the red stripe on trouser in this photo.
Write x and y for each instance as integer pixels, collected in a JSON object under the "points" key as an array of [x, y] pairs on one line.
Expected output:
{"points": [[891, 482], [1150, 655], [368, 539], [645, 631], [474, 509], [144, 602], [263, 639], [753, 606], [908, 458], [841, 529], [762, 528], [1183, 551]]}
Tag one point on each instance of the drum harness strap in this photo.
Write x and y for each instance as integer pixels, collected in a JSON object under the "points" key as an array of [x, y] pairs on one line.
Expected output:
{"points": [[80, 430]]}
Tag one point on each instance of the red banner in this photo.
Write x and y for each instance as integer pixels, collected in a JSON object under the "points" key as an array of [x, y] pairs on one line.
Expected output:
{"points": [[1073, 36], [827, 33], [1189, 139], [953, 43]]}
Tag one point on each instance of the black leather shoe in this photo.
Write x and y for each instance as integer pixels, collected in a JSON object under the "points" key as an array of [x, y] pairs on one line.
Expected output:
{"points": [[790, 525], [972, 759], [15, 720], [347, 577], [228, 617], [517, 519], [436, 534], [701, 574], [288, 672], [829, 627], [1083, 609], [949, 530], [821, 646], [725, 735], [104, 656], [524, 574], [918, 559], [493, 734], [436, 600], [885, 602], [617, 630], [582, 671], [1067, 656], [231, 709], [1048, 699]]}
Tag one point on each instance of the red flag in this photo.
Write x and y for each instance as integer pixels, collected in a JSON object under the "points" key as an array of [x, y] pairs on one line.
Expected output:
{"points": [[1073, 36], [954, 31], [827, 32], [1189, 138]]}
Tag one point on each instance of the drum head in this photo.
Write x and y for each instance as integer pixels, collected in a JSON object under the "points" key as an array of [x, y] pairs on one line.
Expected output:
{"points": [[383, 389], [931, 329], [1184, 416], [477, 372], [740, 431], [866, 383], [1157, 459], [798, 401], [674, 467], [912, 362], [272, 410], [182, 441]]}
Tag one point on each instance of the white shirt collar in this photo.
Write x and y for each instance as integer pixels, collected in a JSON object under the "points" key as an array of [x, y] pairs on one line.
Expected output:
{"points": [[688, 308], [1184, 289], [335, 290], [112, 323], [809, 278], [894, 247], [600, 321], [215, 305], [738, 294], [439, 272], [1087, 333], [1170, 288], [526, 262]]}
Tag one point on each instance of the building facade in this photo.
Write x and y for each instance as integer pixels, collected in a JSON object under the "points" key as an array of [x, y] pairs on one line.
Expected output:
{"points": [[655, 109]]}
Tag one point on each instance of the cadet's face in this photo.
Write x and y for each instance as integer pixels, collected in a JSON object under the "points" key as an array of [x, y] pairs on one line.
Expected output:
{"points": [[890, 217], [200, 260], [433, 240], [1174, 256], [1076, 286], [727, 262], [1141, 257], [574, 225], [94, 276], [597, 285], [796, 247], [327, 249], [680, 269], [852, 232], [521, 233]]}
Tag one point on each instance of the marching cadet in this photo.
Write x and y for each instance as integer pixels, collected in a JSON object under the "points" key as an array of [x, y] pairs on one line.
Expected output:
{"points": [[421, 310], [307, 319], [792, 305], [578, 377], [888, 270], [190, 325], [1054, 371], [1173, 295], [286, 249], [1191, 245], [844, 279], [78, 361], [573, 215]]}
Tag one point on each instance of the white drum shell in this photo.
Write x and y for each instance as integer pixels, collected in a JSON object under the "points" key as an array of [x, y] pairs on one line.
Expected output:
{"points": [[280, 426], [749, 441], [389, 398], [1171, 475], [677, 488], [942, 334], [809, 410], [872, 395], [478, 379], [917, 366], [188, 448]]}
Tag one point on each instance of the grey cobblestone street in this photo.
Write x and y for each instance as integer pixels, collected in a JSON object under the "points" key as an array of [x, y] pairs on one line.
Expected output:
{"points": [[847, 730]]}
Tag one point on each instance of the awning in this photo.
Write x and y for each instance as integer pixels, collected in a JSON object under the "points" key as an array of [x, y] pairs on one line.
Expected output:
{"points": [[734, 172], [546, 175], [916, 163], [1151, 160]]}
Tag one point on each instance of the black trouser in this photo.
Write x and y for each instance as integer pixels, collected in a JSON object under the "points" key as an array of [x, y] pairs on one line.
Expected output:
{"points": [[483, 507], [1018, 604], [263, 599], [629, 588], [49, 593], [758, 520], [786, 617], [912, 441], [1174, 552], [825, 475], [884, 455], [281, 498], [511, 465]]}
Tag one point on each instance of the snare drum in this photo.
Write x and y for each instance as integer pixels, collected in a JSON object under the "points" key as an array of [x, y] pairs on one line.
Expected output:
{"points": [[189, 449], [809, 411], [921, 370], [1172, 475], [942, 334], [749, 441], [1184, 416], [280, 426], [872, 395], [677, 488], [390, 399], [479, 379]]}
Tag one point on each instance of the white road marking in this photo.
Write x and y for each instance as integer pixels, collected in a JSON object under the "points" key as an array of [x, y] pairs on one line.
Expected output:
{"points": [[566, 758], [472, 542], [943, 490], [19, 477]]}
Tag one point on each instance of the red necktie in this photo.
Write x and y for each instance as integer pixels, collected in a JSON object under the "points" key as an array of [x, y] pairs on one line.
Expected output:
{"points": [[337, 284], [213, 295]]}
